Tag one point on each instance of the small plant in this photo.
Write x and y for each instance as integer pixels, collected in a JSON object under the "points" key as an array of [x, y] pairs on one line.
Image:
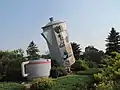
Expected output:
{"points": [[42, 84], [58, 72], [62, 71]]}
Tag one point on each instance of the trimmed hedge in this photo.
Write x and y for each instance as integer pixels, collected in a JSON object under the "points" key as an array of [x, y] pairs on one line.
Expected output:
{"points": [[89, 71]]}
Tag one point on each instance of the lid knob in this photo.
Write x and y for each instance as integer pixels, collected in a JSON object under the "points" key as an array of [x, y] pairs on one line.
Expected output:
{"points": [[51, 19]]}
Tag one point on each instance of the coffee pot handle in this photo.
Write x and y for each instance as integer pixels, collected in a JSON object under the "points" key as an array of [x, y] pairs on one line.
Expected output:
{"points": [[23, 68]]}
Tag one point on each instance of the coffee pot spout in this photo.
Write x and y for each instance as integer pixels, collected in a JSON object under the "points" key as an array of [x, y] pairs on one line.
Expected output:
{"points": [[48, 39], [44, 36]]}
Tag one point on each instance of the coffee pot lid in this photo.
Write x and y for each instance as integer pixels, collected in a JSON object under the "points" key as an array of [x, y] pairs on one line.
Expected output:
{"points": [[52, 22]]}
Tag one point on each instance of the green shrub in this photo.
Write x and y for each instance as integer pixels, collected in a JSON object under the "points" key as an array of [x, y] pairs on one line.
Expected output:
{"points": [[109, 77], [10, 65], [61, 71], [42, 84], [53, 72], [79, 65], [58, 72], [105, 86], [92, 64], [11, 86], [13, 72]]}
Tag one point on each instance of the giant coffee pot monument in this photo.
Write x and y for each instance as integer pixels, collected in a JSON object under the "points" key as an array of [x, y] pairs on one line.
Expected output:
{"points": [[56, 36]]}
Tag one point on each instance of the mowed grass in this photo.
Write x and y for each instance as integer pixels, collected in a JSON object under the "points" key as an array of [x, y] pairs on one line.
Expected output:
{"points": [[11, 86], [75, 82], [70, 82]]}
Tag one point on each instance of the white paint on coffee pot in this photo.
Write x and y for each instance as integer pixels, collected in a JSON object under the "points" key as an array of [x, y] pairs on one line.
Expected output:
{"points": [[56, 36]]}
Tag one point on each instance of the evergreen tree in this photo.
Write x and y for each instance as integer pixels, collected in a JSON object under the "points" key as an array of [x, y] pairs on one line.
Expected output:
{"points": [[32, 51], [76, 50], [113, 42]]}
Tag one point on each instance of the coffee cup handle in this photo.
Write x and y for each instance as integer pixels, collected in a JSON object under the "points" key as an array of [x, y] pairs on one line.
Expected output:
{"points": [[23, 68]]}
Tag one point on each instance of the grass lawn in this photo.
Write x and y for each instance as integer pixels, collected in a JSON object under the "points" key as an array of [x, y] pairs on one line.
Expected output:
{"points": [[80, 81], [71, 82], [11, 86]]}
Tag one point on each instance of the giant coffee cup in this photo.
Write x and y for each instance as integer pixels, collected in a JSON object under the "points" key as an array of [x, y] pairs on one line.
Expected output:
{"points": [[36, 68]]}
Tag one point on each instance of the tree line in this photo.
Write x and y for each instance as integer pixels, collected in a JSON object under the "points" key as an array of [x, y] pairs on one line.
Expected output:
{"points": [[112, 45], [10, 61]]}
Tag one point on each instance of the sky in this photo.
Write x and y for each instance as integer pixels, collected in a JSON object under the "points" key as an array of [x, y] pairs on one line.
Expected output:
{"points": [[88, 21]]}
